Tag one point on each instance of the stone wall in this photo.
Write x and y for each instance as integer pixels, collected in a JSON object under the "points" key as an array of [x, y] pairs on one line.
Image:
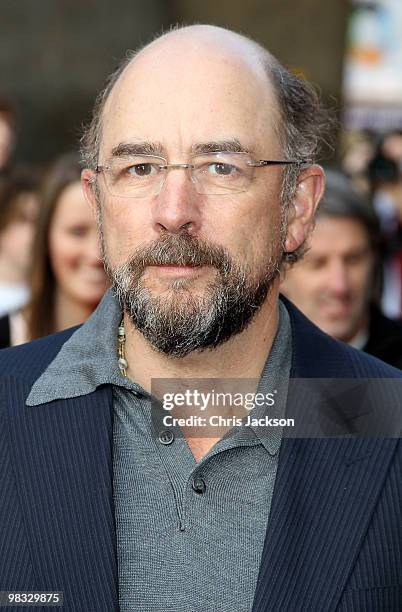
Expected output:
{"points": [[55, 54]]}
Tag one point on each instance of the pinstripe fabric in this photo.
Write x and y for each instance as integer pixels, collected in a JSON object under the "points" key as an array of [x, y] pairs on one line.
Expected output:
{"points": [[66, 496], [379, 561], [324, 498], [336, 508], [58, 513], [15, 560], [372, 600], [333, 542]]}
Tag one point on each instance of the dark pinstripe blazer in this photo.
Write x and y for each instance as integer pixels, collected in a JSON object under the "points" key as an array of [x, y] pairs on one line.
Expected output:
{"points": [[334, 537]]}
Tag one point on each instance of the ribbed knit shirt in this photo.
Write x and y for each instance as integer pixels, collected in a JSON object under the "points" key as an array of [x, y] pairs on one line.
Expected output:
{"points": [[189, 535]]}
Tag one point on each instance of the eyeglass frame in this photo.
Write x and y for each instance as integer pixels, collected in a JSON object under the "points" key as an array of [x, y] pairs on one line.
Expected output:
{"points": [[253, 163]]}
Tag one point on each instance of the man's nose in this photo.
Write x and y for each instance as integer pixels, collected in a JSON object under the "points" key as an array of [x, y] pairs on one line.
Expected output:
{"points": [[177, 206], [338, 279]]}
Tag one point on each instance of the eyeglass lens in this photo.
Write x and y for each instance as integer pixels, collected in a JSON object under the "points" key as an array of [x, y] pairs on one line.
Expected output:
{"points": [[211, 174]]}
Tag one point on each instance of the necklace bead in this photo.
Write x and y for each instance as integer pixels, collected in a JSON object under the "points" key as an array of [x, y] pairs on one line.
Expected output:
{"points": [[121, 349]]}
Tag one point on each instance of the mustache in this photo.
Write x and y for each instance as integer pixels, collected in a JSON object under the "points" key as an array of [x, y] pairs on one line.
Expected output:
{"points": [[179, 250]]}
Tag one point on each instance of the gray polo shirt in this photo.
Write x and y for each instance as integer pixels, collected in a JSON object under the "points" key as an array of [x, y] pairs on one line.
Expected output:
{"points": [[189, 536]]}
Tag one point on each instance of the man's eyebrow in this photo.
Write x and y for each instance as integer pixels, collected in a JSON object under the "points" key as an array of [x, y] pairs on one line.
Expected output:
{"points": [[128, 149], [226, 146]]}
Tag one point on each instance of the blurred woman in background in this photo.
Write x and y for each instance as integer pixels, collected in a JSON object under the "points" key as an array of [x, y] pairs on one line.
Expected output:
{"points": [[19, 205], [7, 135], [67, 277]]}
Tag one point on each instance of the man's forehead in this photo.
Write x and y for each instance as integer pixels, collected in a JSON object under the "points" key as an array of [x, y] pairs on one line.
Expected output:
{"points": [[330, 231], [200, 44], [179, 77]]}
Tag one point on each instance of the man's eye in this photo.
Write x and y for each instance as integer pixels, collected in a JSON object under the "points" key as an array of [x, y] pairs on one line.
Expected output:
{"points": [[139, 170], [221, 169]]}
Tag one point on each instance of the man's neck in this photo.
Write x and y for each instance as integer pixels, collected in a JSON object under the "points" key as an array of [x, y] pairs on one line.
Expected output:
{"points": [[243, 356], [360, 337]]}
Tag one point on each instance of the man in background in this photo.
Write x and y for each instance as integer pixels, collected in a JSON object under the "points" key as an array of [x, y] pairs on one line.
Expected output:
{"points": [[336, 284]]}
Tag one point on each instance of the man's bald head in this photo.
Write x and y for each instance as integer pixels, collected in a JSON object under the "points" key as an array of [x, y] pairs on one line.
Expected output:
{"points": [[293, 95], [294, 110], [201, 39]]}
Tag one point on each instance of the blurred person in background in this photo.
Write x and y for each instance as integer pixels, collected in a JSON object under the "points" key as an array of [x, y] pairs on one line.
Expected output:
{"points": [[7, 134], [337, 282], [386, 192], [391, 146], [19, 204], [385, 178], [67, 278], [357, 150]]}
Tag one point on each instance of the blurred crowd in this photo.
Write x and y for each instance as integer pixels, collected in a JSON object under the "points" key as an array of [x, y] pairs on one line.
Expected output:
{"points": [[51, 273], [349, 282]]}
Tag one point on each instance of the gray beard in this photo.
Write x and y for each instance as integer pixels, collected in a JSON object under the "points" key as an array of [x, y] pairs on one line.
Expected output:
{"points": [[178, 323]]}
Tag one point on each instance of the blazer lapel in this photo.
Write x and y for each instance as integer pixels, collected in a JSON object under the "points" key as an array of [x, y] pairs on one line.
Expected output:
{"points": [[325, 493], [63, 465]]}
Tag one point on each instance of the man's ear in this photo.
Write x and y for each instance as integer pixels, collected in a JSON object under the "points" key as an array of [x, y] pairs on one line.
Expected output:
{"points": [[309, 191], [88, 187]]}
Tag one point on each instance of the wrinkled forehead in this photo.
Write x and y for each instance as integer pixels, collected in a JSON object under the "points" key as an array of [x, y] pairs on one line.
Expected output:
{"points": [[187, 92]]}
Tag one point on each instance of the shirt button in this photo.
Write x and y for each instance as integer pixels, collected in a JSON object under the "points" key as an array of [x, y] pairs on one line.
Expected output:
{"points": [[166, 437], [199, 485]]}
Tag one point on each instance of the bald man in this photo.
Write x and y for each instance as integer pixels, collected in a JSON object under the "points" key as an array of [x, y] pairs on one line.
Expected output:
{"points": [[147, 457]]}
